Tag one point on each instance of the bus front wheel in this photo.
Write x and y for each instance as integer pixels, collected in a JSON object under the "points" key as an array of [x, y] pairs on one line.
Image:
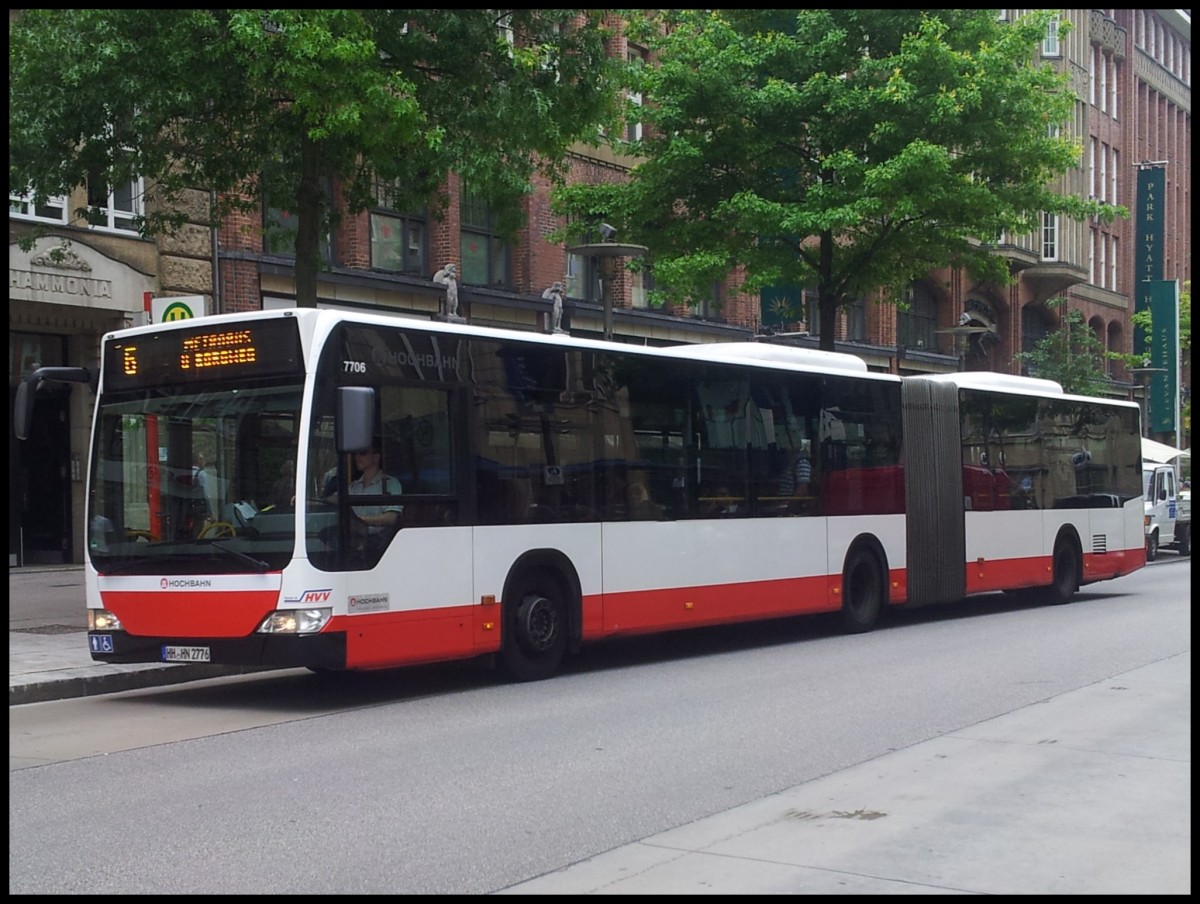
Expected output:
{"points": [[534, 638], [863, 590]]}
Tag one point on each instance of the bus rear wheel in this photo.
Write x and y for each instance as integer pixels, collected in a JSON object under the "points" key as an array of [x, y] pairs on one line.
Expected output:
{"points": [[863, 590], [1066, 573], [534, 638]]}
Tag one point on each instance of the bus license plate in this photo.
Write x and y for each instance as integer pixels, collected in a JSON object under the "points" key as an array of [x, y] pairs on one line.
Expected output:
{"points": [[185, 654]]}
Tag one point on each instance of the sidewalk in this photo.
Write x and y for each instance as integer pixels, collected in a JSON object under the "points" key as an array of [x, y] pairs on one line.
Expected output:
{"points": [[1085, 793], [48, 656]]}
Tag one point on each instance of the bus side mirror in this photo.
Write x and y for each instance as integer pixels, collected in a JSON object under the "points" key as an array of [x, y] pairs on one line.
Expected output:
{"points": [[27, 390], [355, 418]]}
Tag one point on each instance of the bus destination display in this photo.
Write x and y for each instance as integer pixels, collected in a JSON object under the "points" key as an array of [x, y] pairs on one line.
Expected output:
{"points": [[269, 348]]}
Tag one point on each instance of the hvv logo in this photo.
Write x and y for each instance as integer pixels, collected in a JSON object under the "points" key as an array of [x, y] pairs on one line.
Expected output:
{"points": [[311, 596]]}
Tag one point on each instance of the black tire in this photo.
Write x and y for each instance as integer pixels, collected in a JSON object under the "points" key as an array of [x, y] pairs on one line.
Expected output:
{"points": [[1184, 532], [533, 641], [1152, 546], [1066, 573], [864, 590]]}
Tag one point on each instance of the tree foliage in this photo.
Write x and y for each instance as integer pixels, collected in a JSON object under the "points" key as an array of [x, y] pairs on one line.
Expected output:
{"points": [[276, 103], [1072, 356], [846, 150]]}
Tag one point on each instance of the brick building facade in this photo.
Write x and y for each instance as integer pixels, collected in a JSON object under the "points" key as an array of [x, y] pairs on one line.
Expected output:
{"points": [[1132, 72]]}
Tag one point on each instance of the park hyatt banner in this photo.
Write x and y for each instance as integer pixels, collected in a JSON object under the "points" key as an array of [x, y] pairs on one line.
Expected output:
{"points": [[1148, 260], [1164, 355]]}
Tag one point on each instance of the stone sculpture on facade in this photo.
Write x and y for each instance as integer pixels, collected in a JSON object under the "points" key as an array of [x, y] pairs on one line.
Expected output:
{"points": [[448, 277], [554, 294]]}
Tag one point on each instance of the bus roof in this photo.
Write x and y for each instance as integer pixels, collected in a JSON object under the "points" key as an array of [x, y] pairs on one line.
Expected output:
{"points": [[767, 354], [978, 379]]}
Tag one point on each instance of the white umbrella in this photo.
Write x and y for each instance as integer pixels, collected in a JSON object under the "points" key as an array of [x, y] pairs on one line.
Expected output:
{"points": [[1161, 453]]}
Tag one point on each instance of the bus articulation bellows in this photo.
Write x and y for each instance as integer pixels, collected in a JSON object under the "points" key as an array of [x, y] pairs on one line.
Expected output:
{"points": [[542, 492]]}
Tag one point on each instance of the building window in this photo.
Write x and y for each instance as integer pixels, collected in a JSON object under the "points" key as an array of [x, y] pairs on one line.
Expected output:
{"points": [[915, 326], [398, 238], [633, 129], [1102, 183], [1112, 89], [856, 320], [1112, 263], [582, 278], [642, 282], [485, 255], [1092, 190], [117, 206], [505, 26], [280, 226], [1049, 237], [1092, 57], [1035, 327], [707, 307], [1050, 46], [52, 210], [1102, 88]]}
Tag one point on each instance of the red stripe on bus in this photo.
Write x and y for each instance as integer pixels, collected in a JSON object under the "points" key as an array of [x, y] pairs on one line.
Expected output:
{"points": [[990, 575], [383, 640], [177, 613], [685, 607]]}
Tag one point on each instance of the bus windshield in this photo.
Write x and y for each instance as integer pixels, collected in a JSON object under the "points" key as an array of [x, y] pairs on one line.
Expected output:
{"points": [[187, 481]]}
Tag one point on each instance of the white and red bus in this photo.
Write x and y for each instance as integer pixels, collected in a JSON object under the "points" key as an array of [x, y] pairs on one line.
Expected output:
{"points": [[553, 491]]}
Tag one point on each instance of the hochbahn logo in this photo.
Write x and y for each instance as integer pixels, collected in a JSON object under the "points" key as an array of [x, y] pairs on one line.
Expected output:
{"points": [[178, 583]]}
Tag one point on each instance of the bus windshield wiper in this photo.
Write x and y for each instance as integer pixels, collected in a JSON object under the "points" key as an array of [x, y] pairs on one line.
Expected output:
{"points": [[259, 564]]}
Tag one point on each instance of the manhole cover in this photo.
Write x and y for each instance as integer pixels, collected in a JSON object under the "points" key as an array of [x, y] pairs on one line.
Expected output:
{"points": [[50, 629]]}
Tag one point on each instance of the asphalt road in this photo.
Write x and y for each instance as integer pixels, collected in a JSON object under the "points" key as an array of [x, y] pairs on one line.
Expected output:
{"points": [[997, 748]]}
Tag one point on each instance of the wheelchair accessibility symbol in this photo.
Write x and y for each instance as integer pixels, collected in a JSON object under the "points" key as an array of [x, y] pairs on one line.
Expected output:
{"points": [[100, 643]]}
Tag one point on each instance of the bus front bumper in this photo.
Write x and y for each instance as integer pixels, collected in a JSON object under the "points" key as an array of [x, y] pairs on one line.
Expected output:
{"points": [[326, 650]]}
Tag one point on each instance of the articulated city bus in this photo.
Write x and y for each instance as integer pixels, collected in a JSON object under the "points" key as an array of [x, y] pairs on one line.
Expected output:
{"points": [[331, 490]]}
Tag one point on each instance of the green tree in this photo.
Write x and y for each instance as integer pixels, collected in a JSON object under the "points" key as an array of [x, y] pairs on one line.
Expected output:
{"points": [[842, 149], [278, 103], [1073, 355]]}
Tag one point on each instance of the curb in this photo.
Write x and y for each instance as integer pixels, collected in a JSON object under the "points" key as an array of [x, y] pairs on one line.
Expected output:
{"points": [[111, 683]]}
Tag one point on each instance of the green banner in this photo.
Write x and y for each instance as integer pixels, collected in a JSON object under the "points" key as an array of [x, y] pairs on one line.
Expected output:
{"points": [[1164, 355], [1148, 252]]}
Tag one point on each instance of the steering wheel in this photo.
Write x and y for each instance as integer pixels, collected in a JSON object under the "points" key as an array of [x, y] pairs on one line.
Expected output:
{"points": [[216, 529]]}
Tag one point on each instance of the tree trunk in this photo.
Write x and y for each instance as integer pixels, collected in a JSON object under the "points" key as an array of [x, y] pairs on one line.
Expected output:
{"points": [[310, 209], [827, 300]]}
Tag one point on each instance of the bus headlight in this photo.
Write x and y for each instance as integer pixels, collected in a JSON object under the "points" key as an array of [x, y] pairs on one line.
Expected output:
{"points": [[103, 620], [295, 621]]}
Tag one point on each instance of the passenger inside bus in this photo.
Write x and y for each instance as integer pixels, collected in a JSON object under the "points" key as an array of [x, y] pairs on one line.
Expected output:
{"points": [[796, 479], [641, 506]]}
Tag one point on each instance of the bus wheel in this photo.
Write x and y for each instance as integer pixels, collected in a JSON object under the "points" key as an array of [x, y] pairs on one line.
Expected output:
{"points": [[1066, 573], [863, 590], [534, 638]]}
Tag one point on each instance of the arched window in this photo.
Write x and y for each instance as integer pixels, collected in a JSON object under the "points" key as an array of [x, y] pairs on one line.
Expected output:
{"points": [[1036, 324]]}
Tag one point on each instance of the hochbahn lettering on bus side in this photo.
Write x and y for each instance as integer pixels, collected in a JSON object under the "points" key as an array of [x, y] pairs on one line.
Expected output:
{"points": [[414, 359]]}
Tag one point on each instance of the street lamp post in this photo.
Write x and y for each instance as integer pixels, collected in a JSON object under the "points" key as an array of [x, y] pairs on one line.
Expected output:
{"points": [[962, 335], [607, 251]]}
